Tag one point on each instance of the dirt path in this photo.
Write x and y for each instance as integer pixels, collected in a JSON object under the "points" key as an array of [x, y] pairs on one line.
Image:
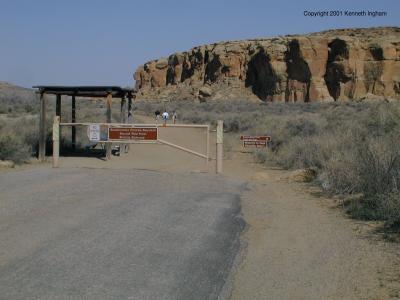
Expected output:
{"points": [[299, 247]]}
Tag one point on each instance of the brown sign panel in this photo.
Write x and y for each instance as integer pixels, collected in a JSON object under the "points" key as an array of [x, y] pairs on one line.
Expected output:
{"points": [[132, 133], [255, 138], [261, 144]]}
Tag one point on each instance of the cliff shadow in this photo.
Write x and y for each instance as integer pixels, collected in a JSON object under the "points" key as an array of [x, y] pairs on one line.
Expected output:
{"points": [[335, 68], [297, 71], [373, 69], [260, 76]]}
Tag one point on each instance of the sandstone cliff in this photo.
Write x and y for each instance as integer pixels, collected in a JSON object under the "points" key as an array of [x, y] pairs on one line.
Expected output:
{"points": [[331, 65]]}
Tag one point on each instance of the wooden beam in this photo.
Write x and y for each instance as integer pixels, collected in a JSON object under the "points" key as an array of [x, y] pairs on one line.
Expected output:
{"points": [[42, 128], [109, 106], [73, 120], [130, 116], [123, 148], [220, 147], [58, 113], [58, 106], [122, 117], [182, 148], [56, 141]]}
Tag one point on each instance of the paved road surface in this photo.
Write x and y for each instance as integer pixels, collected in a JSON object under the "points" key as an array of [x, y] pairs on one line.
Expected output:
{"points": [[116, 234]]}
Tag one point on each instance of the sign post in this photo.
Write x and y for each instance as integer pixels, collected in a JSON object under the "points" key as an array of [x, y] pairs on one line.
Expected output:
{"points": [[56, 141], [220, 148]]}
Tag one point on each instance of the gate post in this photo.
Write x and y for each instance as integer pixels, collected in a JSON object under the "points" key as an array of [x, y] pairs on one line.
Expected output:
{"points": [[220, 141], [56, 141], [109, 106], [42, 128]]}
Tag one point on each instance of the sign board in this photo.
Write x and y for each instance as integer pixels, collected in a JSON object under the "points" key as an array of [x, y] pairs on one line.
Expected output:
{"points": [[94, 132], [133, 133], [255, 141], [262, 144]]}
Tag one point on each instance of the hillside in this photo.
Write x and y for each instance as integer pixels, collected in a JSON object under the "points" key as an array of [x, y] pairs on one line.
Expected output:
{"points": [[16, 99], [331, 65]]}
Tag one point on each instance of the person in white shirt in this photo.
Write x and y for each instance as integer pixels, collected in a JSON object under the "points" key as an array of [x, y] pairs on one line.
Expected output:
{"points": [[165, 117]]}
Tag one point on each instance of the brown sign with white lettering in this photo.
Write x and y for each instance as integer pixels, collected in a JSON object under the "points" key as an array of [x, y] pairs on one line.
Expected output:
{"points": [[255, 141], [132, 133]]}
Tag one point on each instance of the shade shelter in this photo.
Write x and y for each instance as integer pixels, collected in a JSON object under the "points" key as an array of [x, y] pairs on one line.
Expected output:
{"points": [[106, 92]]}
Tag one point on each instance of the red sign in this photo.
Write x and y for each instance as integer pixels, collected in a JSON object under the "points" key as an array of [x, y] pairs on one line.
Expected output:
{"points": [[255, 141], [132, 133], [255, 138]]}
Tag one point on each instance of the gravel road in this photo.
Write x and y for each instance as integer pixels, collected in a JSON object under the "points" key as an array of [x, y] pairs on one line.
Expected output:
{"points": [[116, 234]]}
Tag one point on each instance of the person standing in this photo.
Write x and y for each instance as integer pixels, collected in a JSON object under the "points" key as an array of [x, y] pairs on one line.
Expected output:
{"points": [[174, 116], [165, 116], [157, 113]]}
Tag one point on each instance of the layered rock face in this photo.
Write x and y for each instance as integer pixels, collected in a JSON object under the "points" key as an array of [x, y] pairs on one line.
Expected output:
{"points": [[335, 65]]}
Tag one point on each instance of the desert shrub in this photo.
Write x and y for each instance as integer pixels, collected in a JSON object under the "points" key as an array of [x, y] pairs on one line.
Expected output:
{"points": [[261, 156], [301, 127], [379, 207], [13, 148], [391, 209], [19, 138], [300, 153]]}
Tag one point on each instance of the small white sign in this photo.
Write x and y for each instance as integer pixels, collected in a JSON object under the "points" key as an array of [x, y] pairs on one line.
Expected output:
{"points": [[94, 132]]}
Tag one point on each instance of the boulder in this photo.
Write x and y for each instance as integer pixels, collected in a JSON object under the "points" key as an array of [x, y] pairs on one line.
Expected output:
{"points": [[302, 175], [5, 164], [205, 91], [162, 63]]}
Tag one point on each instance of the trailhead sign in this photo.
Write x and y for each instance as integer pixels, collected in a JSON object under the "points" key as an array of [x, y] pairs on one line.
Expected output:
{"points": [[255, 141], [133, 133]]}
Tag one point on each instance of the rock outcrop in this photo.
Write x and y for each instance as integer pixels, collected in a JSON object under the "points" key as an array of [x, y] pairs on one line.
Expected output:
{"points": [[335, 65]]}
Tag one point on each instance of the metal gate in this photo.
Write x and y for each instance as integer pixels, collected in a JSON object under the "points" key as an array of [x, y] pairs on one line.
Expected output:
{"points": [[124, 134]]}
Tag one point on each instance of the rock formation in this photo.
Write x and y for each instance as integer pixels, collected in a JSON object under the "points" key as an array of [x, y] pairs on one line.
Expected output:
{"points": [[335, 65]]}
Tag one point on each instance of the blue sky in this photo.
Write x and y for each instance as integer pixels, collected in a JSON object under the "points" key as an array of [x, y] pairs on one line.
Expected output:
{"points": [[102, 42]]}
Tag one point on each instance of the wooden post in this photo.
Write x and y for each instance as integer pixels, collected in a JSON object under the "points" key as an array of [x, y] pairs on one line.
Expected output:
{"points": [[58, 106], [42, 128], [109, 105], [122, 119], [58, 110], [220, 148], [73, 120], [56, 141], [130, 116], [207, 144]]}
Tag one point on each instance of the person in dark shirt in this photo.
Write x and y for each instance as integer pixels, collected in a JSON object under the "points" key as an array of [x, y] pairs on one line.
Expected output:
{"points": [[157, 113]]}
